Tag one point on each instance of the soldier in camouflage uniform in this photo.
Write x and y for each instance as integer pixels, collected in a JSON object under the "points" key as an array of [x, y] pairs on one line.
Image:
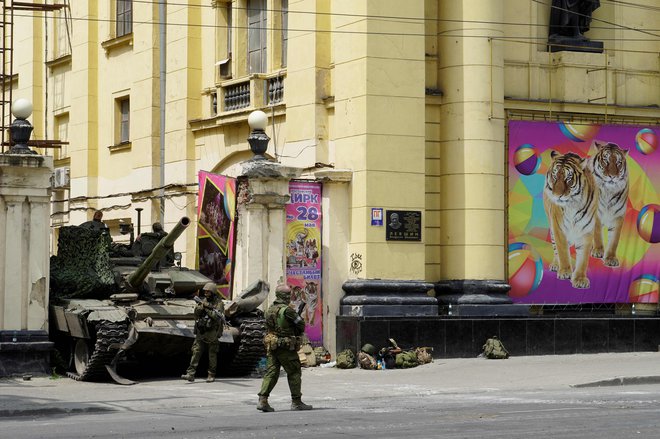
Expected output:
{"points": [[209, 318], [285, 328]]}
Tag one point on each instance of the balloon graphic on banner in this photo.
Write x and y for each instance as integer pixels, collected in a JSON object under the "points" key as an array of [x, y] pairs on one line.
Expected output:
{"points": [[526, 159], [648, 223], [646, 141], [644, 289], [578, 132], [525, 269]]}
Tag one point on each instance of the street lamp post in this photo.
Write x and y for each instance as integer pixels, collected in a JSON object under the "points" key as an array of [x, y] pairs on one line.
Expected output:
{"points": [[258, 139], [20, 129]]}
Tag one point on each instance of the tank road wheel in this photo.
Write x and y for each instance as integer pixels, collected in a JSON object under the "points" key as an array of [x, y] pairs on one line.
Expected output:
{"points": [[91, 356], [81, 356]]}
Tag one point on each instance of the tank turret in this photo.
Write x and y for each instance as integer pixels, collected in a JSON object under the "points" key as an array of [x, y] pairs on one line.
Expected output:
{"points": [[135, 280]]}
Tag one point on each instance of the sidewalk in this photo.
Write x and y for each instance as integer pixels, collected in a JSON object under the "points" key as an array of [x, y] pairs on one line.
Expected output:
{"points": [[43, 395]]}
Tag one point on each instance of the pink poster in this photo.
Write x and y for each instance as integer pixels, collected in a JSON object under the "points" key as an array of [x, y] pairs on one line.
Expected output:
{"points": [[583, 200], [303, 255], [216, 214]]}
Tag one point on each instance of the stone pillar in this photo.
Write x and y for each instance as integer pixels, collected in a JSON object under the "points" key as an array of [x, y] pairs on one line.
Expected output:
{"points": [[262, 195], [24, 263], [472, 154]]}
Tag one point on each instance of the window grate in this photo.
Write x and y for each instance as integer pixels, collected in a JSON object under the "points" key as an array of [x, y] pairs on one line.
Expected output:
{"points": [[275, 90], [237, 96]]}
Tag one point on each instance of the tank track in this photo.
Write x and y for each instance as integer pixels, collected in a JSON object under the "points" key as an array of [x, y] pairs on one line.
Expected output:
{"points": [[107, 333], [251, 346]]}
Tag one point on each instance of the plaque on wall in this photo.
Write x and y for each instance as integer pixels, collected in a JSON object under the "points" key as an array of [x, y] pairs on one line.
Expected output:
{"points": [[403, 225]]}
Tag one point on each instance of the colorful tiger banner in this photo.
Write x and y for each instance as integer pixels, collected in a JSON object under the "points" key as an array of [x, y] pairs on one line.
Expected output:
{"points": [[583, 213], [216, 214], [303, 255]]}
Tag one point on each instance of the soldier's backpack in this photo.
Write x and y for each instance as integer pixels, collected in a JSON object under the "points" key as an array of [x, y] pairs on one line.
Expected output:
{"points": [[346, 359], [494, 349], [424, 355], [406, 359], [366, 361]]}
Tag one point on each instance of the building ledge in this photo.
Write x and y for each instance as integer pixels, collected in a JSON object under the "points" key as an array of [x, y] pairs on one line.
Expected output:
{"points": [[64, 60], [234, 117], [125, 146], [114, 43]]}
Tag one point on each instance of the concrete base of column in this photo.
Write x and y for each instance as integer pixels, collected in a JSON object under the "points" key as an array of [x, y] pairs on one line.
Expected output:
{"points": [[389, 298], [24, 353], [477, 298]]}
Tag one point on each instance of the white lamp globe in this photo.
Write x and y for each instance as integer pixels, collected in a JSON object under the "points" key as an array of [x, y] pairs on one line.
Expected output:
{"points": [[258, 120], [21, 108]]}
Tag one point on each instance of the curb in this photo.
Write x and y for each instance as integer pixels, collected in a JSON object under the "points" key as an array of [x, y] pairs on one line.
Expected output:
{"points": [[621, 381], [50, 411]]}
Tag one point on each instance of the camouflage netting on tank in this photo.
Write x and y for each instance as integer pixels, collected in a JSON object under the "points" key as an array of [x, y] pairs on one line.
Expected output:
{"points": [[82, 267]]}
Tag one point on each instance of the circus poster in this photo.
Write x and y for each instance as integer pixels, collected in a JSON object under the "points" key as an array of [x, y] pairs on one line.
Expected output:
{"points": [[303, 255], [216, 214], [559, 163]]}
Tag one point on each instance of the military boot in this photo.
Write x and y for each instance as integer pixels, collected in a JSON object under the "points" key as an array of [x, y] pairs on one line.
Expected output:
{"points": [[263, 404], [188, 377], [297, 404], [210, 378]]}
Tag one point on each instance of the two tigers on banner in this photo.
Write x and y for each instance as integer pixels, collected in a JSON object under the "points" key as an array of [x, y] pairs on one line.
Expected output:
{"points": [[216, 243], [584, 213]]}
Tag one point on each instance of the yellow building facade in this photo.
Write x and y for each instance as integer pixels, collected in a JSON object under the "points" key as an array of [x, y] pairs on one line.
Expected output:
{"points": [[393, 105]]}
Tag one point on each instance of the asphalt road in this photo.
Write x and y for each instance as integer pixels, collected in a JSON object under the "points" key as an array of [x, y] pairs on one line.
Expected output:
{"points": [[605, 412], [556, 397]]}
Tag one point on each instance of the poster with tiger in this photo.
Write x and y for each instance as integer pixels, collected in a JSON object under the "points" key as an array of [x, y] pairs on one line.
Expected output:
{"points": [[583, 213]]}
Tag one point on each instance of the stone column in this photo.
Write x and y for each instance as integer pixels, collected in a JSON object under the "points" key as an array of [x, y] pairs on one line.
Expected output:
{"points": [[262, 195], [472, 155], [24, 263]]}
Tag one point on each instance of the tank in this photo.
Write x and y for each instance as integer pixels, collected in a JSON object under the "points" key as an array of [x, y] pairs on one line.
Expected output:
{"points": [[113, 306]]}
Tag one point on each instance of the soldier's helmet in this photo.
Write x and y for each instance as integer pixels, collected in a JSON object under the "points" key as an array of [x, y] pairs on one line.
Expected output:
{"points": [[210, 286], [283, 292], [369, 349]]}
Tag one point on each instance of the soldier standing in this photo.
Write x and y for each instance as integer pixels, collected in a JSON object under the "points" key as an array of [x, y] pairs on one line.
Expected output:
{"points": [[208, 324], [285, 328]]}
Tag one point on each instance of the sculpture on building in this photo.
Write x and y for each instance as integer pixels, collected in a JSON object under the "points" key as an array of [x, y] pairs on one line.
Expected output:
{"points": [[569, 20]]}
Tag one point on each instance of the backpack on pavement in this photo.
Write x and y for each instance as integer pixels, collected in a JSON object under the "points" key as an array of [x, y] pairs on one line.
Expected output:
{"points": [[406, 359], [424, 355], [366, 361], [346, 359], [494, 349]]}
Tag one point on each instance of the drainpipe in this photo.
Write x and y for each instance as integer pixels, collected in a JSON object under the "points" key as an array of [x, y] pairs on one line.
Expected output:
{"points": [[162, 17]]}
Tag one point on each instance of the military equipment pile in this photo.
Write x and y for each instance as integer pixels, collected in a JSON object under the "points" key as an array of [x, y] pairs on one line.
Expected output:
{"points": [[388, 357]]}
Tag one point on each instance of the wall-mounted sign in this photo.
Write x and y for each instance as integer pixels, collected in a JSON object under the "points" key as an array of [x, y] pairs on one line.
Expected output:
{"points": [[376, 216], [403, 225]]}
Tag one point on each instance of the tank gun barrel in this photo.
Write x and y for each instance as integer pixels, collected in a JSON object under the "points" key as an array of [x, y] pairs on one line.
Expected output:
{"points": [[163, 246]]}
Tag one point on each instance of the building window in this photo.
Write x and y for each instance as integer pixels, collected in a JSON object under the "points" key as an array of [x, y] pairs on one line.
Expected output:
{"points": [[285, 30], [124, 17], [257, 26], [62, 37], [62, 134], [224, 40], [230, 24], [123, 120]]}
